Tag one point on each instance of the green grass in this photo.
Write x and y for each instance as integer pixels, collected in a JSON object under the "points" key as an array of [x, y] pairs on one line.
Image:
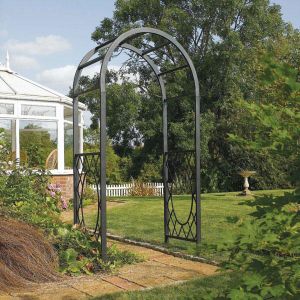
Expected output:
{"points": [[202, 288], [141, 218]]}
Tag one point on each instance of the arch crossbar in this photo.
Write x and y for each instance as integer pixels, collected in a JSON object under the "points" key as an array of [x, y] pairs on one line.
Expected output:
{"points": [[94, 164]]}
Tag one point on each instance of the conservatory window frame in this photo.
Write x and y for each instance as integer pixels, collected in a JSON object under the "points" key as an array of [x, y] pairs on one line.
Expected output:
{"points": [[58, 118]]}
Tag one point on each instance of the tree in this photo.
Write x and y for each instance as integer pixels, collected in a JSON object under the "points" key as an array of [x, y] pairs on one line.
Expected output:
{"points": [[122, 111], [227, 41], [92, 143], [267, 247], [273, 113], [37, 143]]}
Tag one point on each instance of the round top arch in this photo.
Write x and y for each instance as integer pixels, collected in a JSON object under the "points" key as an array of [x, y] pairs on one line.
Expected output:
{"points": [[173, 227]]}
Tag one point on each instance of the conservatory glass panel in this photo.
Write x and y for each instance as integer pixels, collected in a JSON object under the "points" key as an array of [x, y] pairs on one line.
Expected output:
{"points": [[38, 140], [68, 133], [68, 114], [38, 110], [6, 108], [7, 141]]}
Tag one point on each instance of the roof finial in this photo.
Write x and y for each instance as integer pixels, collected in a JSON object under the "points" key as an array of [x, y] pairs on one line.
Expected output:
{"points": [[7, 60]]}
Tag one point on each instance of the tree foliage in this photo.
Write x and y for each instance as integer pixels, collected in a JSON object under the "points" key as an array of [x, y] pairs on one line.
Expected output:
{"points": [[92, 144], [266, 250], [243, 53]]}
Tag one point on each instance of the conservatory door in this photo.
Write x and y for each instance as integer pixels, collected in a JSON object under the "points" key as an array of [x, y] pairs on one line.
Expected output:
{"points": [[7, 140]]}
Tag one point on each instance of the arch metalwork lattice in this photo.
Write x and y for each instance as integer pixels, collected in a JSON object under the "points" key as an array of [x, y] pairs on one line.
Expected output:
{"points": [[181, 170]]}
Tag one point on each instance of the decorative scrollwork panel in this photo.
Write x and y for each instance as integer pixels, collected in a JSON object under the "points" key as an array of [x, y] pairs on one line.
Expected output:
{"points": [[86, 172], [181, 180]]}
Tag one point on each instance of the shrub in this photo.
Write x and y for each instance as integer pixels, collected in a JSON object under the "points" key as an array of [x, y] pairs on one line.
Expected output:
{"points": [[23, 195], [54, 191], [21, 184], [267, 250], [89, 195], [80, 253], [141, 189], [26, 195]]}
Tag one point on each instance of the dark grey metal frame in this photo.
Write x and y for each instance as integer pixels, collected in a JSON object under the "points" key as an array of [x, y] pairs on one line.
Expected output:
{"points": [[111, 46]]}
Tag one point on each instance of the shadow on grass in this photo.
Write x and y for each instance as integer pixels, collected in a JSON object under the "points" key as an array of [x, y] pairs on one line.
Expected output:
{"points": [[232, 219], [268, 203], [211, 287]]}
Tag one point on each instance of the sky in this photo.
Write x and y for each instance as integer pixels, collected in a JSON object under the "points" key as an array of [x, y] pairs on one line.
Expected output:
{"points": [[46, 39]]}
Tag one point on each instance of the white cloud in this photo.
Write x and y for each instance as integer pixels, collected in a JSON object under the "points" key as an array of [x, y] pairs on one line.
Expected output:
{"points": [[42, 45], [114, 68], [3, 33], [59, 79], [22, 62], [91, 70]]}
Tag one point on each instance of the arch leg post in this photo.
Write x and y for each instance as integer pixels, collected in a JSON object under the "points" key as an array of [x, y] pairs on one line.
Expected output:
{"points": [[165, 167], [103, 175]]}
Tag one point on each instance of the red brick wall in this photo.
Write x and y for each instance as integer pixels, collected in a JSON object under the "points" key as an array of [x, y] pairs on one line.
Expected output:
{"points": [[66, 183]]}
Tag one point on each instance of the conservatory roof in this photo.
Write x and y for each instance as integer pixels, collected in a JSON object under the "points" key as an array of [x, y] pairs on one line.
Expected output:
{"points": [[16, 87]]}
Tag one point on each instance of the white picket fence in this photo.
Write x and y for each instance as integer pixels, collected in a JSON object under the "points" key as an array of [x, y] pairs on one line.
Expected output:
{"points": [[120, 190]]}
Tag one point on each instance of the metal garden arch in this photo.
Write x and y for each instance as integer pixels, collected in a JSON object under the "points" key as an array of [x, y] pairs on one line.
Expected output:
{"points": [[94, 164]]}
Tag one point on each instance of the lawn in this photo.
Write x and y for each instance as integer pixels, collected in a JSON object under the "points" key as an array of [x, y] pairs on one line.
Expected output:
{"points": [[141, 218], [202, 288]]}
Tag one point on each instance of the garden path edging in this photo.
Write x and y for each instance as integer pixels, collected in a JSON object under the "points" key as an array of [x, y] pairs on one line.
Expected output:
{"points": [[162, 249]]}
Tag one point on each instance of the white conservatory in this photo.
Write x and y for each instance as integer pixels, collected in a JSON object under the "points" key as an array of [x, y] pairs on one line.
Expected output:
{"points": [[36, 123]]}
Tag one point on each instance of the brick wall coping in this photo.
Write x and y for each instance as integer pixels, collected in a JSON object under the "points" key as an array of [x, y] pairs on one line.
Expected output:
{"points": [[64, 172], [52, 172]]}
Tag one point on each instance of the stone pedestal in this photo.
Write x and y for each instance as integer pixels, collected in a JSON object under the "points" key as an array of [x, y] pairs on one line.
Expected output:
{"points": [[246, 190], [246, 174]]}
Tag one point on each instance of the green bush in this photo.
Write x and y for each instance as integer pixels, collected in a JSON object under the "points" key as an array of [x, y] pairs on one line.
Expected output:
{"points": [[20, 184], [267, 250], [89, 196], [25, 196], [141, 189], [80, 253]]}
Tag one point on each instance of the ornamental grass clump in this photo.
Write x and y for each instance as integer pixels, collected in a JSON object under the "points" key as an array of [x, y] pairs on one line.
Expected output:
{"points": [[25, 256]]}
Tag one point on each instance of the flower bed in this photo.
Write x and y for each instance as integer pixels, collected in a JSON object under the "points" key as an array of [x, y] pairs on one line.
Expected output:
{"points": [[26, 195]]}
